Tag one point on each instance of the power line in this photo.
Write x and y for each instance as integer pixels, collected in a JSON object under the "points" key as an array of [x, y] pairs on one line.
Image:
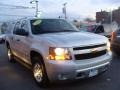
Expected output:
{"points": [[17, 7], [15, 15], [8, 6], [12, 20]]}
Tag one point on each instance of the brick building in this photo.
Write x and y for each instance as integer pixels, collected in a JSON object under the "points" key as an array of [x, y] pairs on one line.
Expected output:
{"points": [[107, 17], [116, 15], [103, 17]]}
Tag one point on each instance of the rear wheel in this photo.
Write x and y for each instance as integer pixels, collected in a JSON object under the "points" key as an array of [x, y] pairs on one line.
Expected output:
{"points": [[10, 55], [39, 72]]}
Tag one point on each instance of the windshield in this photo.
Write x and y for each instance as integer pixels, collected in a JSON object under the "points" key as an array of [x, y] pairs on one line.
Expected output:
{"points": [[41, 26]]}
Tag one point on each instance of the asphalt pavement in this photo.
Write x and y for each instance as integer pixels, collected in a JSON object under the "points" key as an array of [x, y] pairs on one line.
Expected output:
{"points": [[14, 76]]}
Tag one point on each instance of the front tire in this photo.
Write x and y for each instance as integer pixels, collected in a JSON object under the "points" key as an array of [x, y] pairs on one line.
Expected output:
{"points": [[39, 72]]}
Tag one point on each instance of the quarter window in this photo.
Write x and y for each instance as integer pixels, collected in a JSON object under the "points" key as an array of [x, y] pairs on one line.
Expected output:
{"points": [[17, 26]]}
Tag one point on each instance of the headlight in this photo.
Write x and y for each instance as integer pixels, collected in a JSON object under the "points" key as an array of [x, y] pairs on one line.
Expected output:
{"points": [[108, 46], [59, 53]]}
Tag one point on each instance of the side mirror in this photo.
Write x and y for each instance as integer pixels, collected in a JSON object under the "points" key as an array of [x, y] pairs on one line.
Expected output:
{"points": [[22, 32]]}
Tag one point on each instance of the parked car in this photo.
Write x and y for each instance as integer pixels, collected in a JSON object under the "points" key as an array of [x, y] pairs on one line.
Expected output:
{"points": [[115, 42], [57, 51], [2, 38], [93, 29], [102, 29]]}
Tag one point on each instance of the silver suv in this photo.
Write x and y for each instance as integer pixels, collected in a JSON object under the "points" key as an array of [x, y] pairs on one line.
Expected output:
{"points": [[55, 50]]}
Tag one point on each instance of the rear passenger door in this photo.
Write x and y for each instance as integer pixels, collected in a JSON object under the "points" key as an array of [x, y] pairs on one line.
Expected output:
{"points": [[14, 39], [24, 42]]}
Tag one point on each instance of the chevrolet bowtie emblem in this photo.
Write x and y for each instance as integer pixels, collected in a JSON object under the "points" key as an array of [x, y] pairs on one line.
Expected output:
{"points": [[94, 50]]}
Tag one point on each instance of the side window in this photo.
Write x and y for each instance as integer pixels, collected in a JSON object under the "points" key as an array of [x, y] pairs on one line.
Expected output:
{"points": [[24, 25], [17, 26], [21, 28]]}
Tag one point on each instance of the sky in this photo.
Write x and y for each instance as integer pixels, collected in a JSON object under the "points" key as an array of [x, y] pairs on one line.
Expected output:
{"points": [[76, 9]]}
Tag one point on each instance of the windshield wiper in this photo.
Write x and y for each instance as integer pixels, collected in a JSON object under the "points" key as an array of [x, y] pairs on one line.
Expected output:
{"points": [[44, 32], [69, 31]]}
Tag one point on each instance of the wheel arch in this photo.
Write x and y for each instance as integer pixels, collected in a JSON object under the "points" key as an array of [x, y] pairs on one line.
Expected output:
{"points": [[46, 78], [7, 44], [35, 53]]}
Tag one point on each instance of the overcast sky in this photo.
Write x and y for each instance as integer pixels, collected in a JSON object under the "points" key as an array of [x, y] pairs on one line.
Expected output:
{"points": [[76, 9]]}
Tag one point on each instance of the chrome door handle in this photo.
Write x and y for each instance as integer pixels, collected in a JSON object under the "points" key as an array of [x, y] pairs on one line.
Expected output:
{"points": [[11, 38], [18, 40]]}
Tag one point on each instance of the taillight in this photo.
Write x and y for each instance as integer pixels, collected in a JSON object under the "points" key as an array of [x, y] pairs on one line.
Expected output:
{"points": [[113, 36]]}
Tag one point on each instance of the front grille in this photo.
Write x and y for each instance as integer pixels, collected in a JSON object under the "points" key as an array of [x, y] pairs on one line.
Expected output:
{"points": [[88, 47], [90, 55]]}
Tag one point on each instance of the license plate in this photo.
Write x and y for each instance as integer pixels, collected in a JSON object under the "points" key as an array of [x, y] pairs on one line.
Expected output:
{"points": [[93, 72]]}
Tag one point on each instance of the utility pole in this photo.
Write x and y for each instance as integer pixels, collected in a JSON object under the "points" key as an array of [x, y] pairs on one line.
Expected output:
{"points": [[64, 10], [36, 6], [111, 16]]}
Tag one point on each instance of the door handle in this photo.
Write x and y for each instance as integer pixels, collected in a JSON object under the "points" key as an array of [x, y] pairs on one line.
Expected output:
{"points": [[18, 40], [11, 38]]}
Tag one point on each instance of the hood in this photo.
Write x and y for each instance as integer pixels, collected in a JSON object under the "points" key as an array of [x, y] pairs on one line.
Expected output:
{"points": [[72, 39]]}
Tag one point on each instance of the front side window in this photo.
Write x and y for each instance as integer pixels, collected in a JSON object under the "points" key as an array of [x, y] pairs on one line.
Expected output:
{"points": [[24, 25], [41, 26]]}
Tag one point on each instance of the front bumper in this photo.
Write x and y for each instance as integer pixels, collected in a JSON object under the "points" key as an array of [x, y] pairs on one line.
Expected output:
{"points": [[70, 70]]}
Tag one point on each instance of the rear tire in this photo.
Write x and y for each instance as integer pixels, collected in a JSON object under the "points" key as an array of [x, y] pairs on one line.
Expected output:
{"points": [[10, 55], [39, 72]]}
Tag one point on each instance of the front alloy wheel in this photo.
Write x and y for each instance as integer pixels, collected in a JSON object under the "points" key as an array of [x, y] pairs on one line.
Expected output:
{"points": [[37, 71]]}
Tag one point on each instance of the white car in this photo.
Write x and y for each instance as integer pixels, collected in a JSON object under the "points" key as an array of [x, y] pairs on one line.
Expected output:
{"points": [[2, 38], [57, 51]]}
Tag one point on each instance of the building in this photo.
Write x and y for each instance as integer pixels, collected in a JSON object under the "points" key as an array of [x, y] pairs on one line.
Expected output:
{"points": [[103, 17], [108, 17], [116, 15]]}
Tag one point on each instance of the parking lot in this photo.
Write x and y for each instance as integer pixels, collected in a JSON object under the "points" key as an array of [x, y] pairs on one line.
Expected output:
{"points": [[13, 76]]}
